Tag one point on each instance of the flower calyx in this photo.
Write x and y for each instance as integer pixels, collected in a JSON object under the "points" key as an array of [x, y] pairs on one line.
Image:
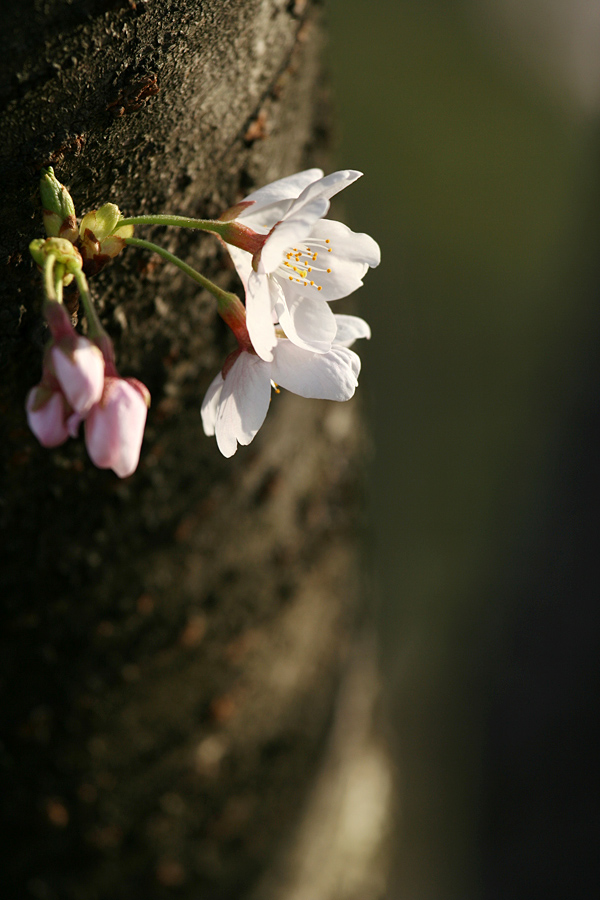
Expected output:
{"points": [[233, 313]]}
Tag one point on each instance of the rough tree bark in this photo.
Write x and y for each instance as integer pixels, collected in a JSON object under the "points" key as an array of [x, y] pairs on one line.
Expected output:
{"points": [[171, 645]]}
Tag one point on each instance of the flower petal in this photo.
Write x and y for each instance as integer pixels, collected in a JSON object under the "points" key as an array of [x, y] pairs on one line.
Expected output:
{"points": [[293, 230], [210, 405], [259, 318], [243, 403], [329, 186], [349, 245], [349, 329], [327, 376], [308, 322], [242, 262], [287, 188], [262, 219], [351, 255]]}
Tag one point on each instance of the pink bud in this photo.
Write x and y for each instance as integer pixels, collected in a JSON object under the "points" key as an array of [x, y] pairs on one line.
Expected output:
{"points": [[114, 427], [47, 414], [79, 367]]}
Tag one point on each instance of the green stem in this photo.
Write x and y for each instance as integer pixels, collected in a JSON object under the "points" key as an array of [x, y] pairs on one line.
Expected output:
{"points": [[49, 277], [232, 232], [181, 221], [224, 298], [59, 272], [95, 330]]}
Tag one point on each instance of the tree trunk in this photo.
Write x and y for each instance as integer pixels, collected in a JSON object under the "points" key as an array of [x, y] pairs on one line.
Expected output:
{"points": [[172, 643]]}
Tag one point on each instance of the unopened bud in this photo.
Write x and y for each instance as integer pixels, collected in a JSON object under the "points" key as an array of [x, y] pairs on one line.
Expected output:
{"points": [[79, 368], [63, 251], [47, 415], [114, 428], [58, 207]]}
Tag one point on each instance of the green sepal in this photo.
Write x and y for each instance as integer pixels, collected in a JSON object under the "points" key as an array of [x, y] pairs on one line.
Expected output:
{"points": [[101, 222]]}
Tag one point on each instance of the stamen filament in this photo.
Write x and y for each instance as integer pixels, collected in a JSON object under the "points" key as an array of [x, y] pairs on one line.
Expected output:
{"points": [[301, 263]]}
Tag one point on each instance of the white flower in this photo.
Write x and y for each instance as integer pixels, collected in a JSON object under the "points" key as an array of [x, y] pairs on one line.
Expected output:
{"points": [[237, 401], [304, 261]]}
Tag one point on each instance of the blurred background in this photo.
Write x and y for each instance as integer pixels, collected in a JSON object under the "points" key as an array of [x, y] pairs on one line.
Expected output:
{"points": [[476, 123]]}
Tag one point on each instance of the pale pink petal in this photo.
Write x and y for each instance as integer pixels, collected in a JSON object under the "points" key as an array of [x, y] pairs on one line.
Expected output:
{"points": [[308, 322], [243, 403], [287, 188], [349, 329], [80, 372], [259, 318], [327, 376], [114, 428], [210, 405], [48, 421]]}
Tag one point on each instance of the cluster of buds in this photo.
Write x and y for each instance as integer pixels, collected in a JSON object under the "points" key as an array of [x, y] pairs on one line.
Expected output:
{"points": [[80, 382]]}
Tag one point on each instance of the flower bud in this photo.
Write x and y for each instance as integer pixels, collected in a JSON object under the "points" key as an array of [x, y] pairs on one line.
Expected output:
{"points": [[47, 414], [114, 428], [79, 368], [100, 239], [58, 207]]}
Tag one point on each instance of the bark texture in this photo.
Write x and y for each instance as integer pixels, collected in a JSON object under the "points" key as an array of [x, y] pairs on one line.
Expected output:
{"points": [[170, 644]]}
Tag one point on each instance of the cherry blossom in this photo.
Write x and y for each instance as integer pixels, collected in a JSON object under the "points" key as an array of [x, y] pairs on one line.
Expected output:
{"points": [[237, 401], [302, 261]]}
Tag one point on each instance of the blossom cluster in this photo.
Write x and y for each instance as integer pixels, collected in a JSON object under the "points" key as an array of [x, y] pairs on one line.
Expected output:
{"points": [[76, 387], [80, 382], [292, 262]]}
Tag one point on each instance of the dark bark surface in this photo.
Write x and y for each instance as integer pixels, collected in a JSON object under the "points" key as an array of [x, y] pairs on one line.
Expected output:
{"points": [[171, 643]]}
